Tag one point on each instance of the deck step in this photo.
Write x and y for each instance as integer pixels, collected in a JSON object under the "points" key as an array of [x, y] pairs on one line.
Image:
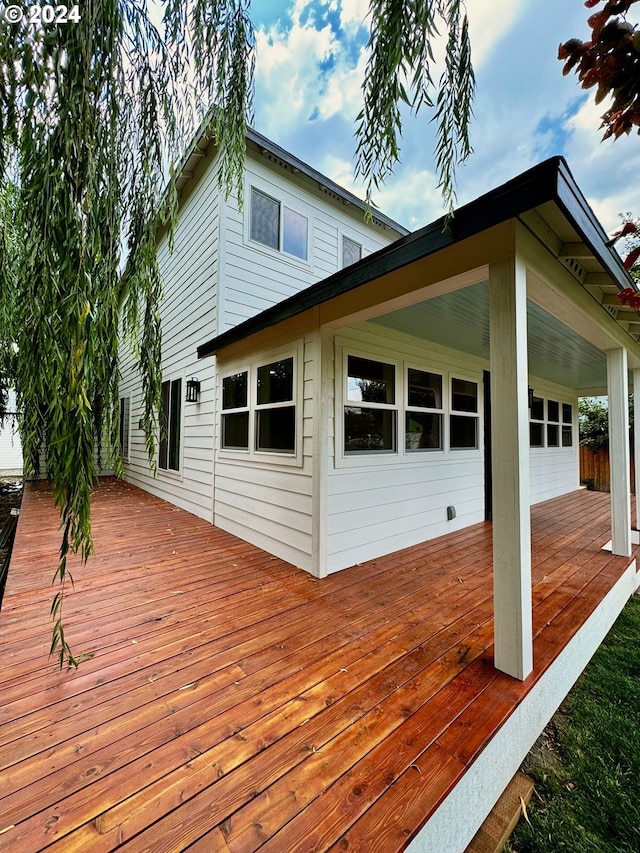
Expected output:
{"points": [[502, 819]]}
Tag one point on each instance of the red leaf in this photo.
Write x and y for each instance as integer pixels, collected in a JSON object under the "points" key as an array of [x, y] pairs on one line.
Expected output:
{"points": [[631, 258]]}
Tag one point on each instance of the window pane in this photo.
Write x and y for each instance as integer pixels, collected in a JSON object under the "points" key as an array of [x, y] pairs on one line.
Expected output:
{"points": [[370, 381], [124, 427], [369, 429], [536, 435], [276, 429], [234, 391], [174, 424], [351, 252], [553, 436], [295, 234], [464, 395], [265, 219], [463, 432], [424, 389], [235, 430], [567, 413], [275, 382], [163, 422], [553, 411], [537, 409], [423, 431], [567, 436]]}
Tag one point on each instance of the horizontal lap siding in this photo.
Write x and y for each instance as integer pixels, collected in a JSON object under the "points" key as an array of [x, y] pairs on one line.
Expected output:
{"points": [[188, 310], [384, 507], [256, 277], [554, 471], [270, 504]]}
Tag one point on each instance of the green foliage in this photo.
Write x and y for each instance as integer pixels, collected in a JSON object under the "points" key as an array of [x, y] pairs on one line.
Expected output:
{"points": [[91, 113], [400, 71], [593, 417], [588, 786]]}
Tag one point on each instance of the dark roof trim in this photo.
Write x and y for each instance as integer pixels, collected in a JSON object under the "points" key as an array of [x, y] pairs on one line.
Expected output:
{"points": [[548, 181], [204, 137]]}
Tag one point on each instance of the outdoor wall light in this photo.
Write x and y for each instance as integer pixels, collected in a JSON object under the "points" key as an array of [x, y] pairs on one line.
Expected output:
{"points": [[530, 389], [193, 390]]}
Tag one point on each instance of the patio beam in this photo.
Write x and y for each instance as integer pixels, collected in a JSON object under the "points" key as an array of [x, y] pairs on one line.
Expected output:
{"points": [[513, 637], [618, 389]]}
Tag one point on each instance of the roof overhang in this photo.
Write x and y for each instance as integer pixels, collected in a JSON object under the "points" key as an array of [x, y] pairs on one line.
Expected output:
{"points": [[544, 204]]}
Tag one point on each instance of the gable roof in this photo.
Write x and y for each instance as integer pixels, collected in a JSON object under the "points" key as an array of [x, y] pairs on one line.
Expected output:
{"points": [[261, 145], [547, 190]]}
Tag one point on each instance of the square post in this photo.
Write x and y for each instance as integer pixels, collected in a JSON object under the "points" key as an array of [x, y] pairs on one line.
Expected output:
{"points": [[510, 468], [636, 439], [618, 390]]}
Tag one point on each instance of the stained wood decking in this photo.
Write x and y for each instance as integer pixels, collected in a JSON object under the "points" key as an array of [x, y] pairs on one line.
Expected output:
{"points": [[235, 703]]}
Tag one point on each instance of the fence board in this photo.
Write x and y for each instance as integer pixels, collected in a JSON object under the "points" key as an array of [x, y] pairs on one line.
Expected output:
{"points": [[594, 469]]}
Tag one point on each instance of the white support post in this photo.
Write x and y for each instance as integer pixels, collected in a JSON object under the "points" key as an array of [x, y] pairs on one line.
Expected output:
{"points": [[636, 442], [618, 389], [513, 635]]}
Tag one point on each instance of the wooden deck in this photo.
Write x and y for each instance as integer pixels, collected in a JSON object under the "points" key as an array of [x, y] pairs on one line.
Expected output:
{"points": [[236, 703]]}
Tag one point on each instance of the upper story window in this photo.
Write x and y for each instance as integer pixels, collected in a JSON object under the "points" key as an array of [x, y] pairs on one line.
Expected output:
{"points": [[170, 418], [277, 226], [351, 252]]}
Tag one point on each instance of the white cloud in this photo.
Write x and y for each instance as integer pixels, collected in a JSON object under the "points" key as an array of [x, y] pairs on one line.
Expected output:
{"points": [[489, 21]]}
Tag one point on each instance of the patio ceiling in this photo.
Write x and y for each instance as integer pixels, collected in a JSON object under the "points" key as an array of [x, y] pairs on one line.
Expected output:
{"points": [[460, 320]]}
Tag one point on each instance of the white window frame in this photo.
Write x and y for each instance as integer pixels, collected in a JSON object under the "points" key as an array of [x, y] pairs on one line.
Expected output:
{"points": [[344, 347], [252, 455], [442, 411], [283, 202], [236, 409], [545, 423]]}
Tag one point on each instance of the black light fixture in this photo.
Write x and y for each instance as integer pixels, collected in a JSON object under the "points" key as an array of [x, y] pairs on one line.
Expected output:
{"points": [[530, 390], [193, 390]]}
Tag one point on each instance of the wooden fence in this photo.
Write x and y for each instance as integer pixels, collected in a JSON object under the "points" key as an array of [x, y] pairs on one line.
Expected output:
{"points": [[594, 469]]}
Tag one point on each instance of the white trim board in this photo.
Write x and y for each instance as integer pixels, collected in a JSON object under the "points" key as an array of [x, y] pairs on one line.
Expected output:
{"points": [[459, 817]]}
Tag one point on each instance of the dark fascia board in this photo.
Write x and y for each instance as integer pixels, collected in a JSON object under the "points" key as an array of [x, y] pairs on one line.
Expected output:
{"points": [[548, 181]]}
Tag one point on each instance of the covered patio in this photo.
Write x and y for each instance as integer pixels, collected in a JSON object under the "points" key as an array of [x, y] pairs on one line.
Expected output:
{"points": [[235, 703]]}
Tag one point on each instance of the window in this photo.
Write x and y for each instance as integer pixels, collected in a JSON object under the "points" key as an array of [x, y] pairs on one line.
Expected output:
{"points": [[553, 426], [550, 423], [463, 420], [536, 423], [170, 410], [371, 424], [567, 425], [351, 252], [125, 404], [275, 412], [277, 226], [424, 411], [235, 416]]}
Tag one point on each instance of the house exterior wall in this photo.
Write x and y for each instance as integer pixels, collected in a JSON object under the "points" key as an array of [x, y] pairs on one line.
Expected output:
{"points": [[257, 276], [379, 503], [266, 498], [10, 444], [214, 278]]}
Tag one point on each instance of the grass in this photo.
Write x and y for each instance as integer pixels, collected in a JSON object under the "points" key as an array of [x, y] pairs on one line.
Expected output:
{"points": [[586, 766]]}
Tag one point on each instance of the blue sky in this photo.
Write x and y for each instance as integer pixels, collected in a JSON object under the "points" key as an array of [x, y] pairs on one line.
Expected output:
{"points": [[310, 63]]}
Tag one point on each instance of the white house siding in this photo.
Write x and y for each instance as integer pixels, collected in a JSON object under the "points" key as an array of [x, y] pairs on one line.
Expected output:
{"points": [[554, 471], [190, 277], [266, 499], [377, 506], [10, 444], [256, 276]]}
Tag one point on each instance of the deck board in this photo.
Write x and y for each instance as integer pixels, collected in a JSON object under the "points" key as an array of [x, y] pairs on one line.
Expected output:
{"points": [[235, 703]]}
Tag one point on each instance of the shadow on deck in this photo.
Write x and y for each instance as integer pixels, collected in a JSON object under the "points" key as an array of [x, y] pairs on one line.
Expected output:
{"points": [[234, 702]]}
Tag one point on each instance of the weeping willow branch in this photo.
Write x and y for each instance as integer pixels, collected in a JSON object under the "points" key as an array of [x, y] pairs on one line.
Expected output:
{"points": [[400, 71], [96, 111]]}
